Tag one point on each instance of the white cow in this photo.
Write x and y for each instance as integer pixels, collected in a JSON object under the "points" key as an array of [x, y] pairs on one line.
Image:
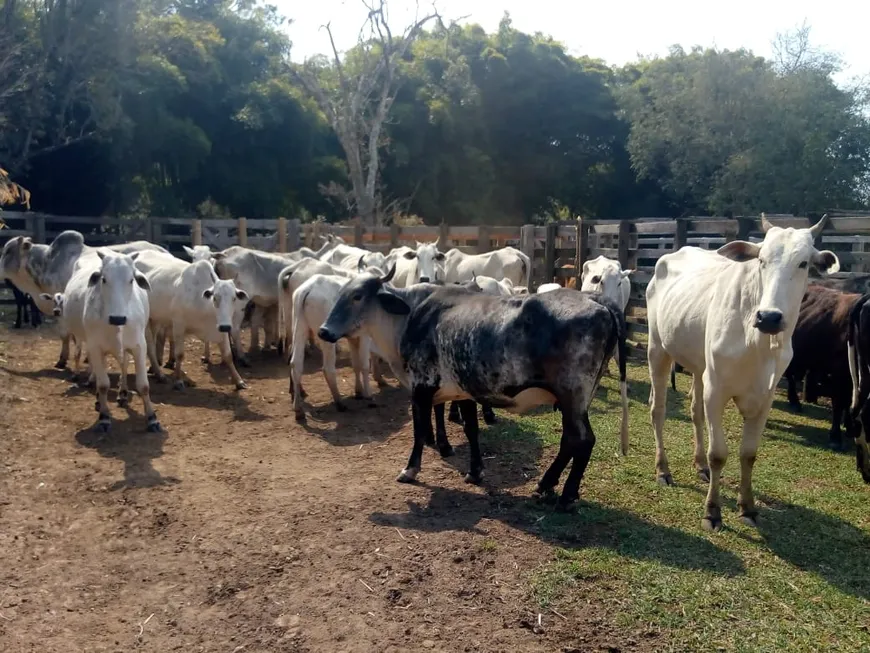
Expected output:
{"points": [[421, 265], [504, 263], [347, 256], [727, 317], [502, 288], [606, 276], [312, 302], [198, 253], [189, 298], [548, 287], [57, 301], [107, 300]]}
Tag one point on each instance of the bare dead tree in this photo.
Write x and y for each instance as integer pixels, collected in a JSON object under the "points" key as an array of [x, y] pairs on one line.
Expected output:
{"points": [[356, 95], [793, 51]]}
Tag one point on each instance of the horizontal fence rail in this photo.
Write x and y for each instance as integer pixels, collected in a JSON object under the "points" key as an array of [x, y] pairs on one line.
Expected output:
{"points": [[557, 250]]}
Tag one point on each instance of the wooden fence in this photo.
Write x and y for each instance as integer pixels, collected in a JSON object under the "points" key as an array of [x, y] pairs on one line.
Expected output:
{"points": [[557, 250]]}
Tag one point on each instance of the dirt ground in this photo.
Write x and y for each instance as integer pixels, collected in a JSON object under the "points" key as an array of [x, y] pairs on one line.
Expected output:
{"points": [[239, 530]]}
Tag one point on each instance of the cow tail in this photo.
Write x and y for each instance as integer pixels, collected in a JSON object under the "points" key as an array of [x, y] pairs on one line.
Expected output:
{"points": [[622, 356]]}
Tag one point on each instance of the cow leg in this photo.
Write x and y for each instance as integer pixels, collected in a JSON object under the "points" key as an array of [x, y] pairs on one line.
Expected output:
{"points": [[421, 411], [377, 371], [123, 389], [811, 389], [173, 344], [236, 347], [488, 413], [794, 378], [297, 364], [227, 358], [178, 337], [580, 437], [19, 311], [35, 315], [454, 415], [329, 353], [548, 482], [64, 353], [839, 405], [360, 357], [659, 365], [468, 408], [700, 457], [673, 376], [753, 427], [441, 441], [206, 354], [257, 323], [717, 454], [159, 345], [152, 354], [142, 386], [98, 364]]}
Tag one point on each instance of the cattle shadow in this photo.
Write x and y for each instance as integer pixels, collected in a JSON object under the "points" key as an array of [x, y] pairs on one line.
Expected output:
{"points": [[591, 526], [129, 442], [360, 423], [42, 374], [809, 435]]}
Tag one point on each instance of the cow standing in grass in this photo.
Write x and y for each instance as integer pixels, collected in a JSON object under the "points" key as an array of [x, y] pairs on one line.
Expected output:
{"points": [[515, 353], [728, 317]]}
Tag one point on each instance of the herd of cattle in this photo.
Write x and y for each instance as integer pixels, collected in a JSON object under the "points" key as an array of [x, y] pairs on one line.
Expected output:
{"points": [[464, 329]]}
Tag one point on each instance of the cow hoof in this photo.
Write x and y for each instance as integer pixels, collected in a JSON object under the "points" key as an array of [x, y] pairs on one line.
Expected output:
{"points": [[545, 496], [712, 523], [703, 475], [123, 399], [103, 426], [408, 475], [665, 479], [446, 450], [153, 425], [302, 393], [382, 383], [244, 362], [750, 519], [566, 505], [429, 442], [474, 479], [241, 385], [490, 418], [178, 385], [97, 406], [340, 407], [205, 360], [300, 416], [170, 365], [456, 419], [60, 364]]}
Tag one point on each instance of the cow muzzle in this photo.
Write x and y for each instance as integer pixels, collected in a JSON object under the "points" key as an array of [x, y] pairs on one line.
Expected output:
{"points": [[225, 328], [117, 320], [769, 322], [326, 335], [424, 279], [56, 312]]}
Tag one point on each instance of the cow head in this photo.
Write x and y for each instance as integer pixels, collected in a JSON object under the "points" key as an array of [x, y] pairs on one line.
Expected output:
{"points": [[227, 301], [605, 276], [115, 281], [359, 298], [430, 262], [198, 253], [14, 256], [783, 260], [56, 301]]}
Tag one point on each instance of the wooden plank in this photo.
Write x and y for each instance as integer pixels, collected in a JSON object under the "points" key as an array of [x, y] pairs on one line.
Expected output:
{"points": [[196, 233], [855, 225], [603, 251], [294, 235], [483, 244], [358, 234], [282, 235], [395, 234], [582, 246], [443, 236], [527, 245], [723, 227], [550, 250], [664, 227], [604, 228], [651, 253]]}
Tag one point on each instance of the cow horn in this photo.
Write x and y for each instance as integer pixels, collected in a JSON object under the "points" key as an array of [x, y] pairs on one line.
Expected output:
{"points": [[816, 229], [390, 275], [361, 264], [765, 223]]}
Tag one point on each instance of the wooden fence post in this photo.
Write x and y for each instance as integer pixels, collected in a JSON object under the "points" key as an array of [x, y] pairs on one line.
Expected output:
{"points": [[156, 232], [358, 233], [744, 226], [527, 247], [623, 241], [550, 251], [243, 232], [582, 248], [681, 235], [196, 232], [294, 236], [444, 236], [282, 235], [395, 230], [483, 239]]}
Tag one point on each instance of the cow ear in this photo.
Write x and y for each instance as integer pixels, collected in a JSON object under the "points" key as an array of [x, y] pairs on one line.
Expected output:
{"points": [[826, 261], [58, 297], [46, 297], [410, 255], [393, 303], [188, 250], [208, 293], [142, 281], [101, 254], [439, 256], [626, 273], [26, 244], [739, 250], [218, 256], [134, 255], [94, 278], [241, 295]]}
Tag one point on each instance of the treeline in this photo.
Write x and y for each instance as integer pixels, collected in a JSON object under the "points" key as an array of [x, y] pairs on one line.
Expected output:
{"points": [[185, 107]]}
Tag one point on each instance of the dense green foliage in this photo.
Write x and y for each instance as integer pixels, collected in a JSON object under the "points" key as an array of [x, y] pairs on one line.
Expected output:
{"points": [[169, 107]]}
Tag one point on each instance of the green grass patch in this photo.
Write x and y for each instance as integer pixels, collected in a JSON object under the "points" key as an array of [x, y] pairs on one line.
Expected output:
{"points": [[801, 581]]}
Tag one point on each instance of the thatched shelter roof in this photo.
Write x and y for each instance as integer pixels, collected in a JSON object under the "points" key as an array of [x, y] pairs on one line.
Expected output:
{"points": [[12, 193]]}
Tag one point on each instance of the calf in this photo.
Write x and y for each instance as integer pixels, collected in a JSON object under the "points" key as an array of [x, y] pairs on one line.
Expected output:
{"points": [[421, 265], [727, 317], [516, 353], [505, 263], [820, 343], [606, 276], [25, 308], [107, 299]]}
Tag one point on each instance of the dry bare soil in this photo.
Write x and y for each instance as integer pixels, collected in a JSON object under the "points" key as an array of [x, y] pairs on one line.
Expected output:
{"points": [[239, 530]]}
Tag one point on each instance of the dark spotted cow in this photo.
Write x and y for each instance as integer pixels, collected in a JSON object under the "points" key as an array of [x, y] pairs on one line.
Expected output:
{"points": [[25, 308], [447, 342]]}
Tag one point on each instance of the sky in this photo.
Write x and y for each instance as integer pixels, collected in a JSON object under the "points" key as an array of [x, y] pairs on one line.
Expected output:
{"points": [[612, 30]]}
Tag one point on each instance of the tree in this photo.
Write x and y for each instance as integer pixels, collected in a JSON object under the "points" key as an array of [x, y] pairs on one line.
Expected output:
{"points": [[356, 92]]}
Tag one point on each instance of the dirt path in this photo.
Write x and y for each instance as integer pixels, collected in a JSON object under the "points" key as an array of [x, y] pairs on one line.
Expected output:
{"points": [[238, 530]]}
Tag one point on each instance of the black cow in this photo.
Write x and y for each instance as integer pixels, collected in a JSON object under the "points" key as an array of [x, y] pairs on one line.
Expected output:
{"points": [[859, 366], [513, 352], [25, 307], [820, 345]]}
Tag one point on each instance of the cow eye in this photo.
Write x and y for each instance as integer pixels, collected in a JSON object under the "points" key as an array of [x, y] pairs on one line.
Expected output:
{"points": [[596, 279], [803, 265], [356, 296]]}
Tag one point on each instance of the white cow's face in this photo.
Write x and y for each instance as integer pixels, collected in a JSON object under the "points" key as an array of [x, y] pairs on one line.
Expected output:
{"points": [[56, 301], [430, 262], [783, 259], [115, 280], [198, 253], [227, 300], [604, 275]]}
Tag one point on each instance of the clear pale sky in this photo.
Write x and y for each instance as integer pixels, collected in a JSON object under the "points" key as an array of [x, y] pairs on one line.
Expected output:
{"points": [[616, 31]]}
